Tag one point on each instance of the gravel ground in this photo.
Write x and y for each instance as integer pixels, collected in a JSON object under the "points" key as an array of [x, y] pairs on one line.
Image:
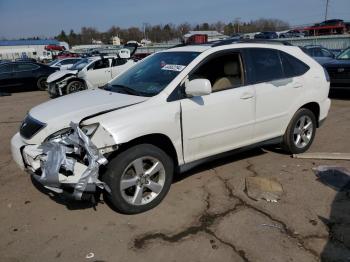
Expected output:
{"points": [[206, 216]]}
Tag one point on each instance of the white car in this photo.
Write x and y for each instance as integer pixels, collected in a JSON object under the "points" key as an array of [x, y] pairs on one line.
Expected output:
{"points": [[169, 112], [65, 63], [89, 73]]}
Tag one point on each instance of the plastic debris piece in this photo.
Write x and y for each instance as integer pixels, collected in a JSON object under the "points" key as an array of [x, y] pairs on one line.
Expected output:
{"points": [[271, 225], [330, 156], [259, 188], [336, 177], [90, 255]]}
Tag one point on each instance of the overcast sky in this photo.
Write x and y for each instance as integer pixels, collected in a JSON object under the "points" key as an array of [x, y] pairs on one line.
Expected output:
{"points": [[25, 18]]}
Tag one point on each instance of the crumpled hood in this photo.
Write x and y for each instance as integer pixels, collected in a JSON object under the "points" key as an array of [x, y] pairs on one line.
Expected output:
{"points": [[59, 74], [59, 112]]}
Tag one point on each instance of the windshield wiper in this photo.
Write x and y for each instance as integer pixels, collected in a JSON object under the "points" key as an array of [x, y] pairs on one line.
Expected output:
{"points": [[131, 91]]}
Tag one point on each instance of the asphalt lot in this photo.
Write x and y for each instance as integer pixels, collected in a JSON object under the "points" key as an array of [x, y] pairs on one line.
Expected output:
{"points": [[206, 216]]}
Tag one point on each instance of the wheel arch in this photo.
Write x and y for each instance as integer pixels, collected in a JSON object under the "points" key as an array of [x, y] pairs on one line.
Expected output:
{"points": [[314, 107], [157, 139]]}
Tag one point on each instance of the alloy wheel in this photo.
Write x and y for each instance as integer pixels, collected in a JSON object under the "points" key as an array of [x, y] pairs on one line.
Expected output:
{"points": [[303, 131], [142, 180]]}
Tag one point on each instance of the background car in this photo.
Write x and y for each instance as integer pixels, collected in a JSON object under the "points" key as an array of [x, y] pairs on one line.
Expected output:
{"points": [[266, 35], [23, 76], [88, 73], [319, 53], [339, 70], [291, 34], [64, 63]]}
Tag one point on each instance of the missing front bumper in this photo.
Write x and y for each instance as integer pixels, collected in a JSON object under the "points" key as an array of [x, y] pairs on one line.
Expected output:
{"points": [[70, 161]]}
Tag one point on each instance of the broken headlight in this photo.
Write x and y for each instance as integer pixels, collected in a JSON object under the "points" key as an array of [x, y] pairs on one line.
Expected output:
{"points": [[59, 134], [90, 130]]}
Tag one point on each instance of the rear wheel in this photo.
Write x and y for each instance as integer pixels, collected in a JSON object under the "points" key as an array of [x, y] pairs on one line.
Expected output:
{"points": [[139, 178], [300, 132], [75, 86], [41, 83]]}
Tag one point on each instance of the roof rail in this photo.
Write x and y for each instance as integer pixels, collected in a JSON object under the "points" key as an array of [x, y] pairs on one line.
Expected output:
{"points": [[252, 41]]}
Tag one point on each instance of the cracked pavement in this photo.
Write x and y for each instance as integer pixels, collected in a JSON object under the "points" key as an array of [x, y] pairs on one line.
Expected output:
{"points": [[206, 216]]}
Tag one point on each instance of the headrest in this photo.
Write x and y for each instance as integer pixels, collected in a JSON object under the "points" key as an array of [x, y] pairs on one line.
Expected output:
{"points": [[231, 68]]}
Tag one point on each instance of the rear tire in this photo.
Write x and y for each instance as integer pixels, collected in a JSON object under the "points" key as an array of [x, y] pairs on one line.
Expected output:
{"points": [[139, 178], [300, 132], [41, 83]]}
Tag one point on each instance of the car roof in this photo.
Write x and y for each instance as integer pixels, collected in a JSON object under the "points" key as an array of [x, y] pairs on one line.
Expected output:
{"points": [[231, 43]]}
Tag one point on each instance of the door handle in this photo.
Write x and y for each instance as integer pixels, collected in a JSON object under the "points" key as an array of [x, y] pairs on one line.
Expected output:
{"points": [[247, 95]]}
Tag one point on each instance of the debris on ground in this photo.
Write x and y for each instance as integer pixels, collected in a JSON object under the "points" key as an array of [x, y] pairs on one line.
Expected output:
{"points": [[271, 225], [336, 177], [90, 255], [259, 188], [328, 156]]}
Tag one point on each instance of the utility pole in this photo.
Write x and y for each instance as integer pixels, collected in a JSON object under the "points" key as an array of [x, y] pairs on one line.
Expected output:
{"points": [[326, 15]]}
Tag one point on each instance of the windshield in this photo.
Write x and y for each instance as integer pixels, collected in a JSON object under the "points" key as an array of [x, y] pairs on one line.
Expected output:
{"points": [[344, 55], [80, 65], [150, 76]]}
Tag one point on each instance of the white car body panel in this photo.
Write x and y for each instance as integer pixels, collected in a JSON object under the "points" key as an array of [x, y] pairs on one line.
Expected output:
{"points": [[197, 127]]}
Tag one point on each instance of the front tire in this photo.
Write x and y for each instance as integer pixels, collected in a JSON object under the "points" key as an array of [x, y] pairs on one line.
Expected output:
{"points": [[300, 132], [139, 178], [75, 86]]}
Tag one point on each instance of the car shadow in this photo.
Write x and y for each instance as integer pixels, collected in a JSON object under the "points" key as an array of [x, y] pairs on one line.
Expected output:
{"points": [[229, 157], [102, 197], [65, 199], [337, 247]]}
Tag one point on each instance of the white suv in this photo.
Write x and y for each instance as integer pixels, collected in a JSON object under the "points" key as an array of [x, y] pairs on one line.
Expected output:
{"points": [[170, 111]]}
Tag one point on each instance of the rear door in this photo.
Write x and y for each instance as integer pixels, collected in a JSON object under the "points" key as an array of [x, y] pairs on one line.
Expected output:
{"points": [[26, 75], [279, 84]]}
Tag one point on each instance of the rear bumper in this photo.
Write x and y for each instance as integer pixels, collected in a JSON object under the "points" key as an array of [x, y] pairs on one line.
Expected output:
{"points": [[58, 167], [324, 109]]}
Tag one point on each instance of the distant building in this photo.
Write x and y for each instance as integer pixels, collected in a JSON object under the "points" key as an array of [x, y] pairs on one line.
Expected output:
{"points": [[12, 49], [115, 40], [96, 42], [146, 42], [212, 35]]}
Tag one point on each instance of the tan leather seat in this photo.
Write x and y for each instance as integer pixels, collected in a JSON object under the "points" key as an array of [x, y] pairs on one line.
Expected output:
{"points": [[231, 78]]}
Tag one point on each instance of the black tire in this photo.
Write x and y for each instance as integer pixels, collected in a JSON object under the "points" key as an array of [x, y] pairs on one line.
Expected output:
{"points": [[289, 139], [75, 86], [122, 162], [41, 83]]}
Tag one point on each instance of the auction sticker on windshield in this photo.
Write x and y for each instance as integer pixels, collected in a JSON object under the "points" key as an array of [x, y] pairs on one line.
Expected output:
{"points": [[177, 68]]}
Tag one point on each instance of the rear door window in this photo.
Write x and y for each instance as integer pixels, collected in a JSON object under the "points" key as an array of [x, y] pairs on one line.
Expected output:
{"points": [[266, 65], [25, 67], [292, 66]]}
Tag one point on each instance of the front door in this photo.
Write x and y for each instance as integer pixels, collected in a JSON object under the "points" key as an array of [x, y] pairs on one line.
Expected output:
{"points": [[99, 73], [224, 119]]}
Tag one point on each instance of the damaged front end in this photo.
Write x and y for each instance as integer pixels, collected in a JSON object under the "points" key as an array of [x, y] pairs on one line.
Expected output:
{"points": [[69, 162], [57, 88]]}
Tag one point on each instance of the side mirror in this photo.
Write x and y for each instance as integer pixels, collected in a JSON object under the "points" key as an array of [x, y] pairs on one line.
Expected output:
{"points": [[124, 53], [198, 87]]}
